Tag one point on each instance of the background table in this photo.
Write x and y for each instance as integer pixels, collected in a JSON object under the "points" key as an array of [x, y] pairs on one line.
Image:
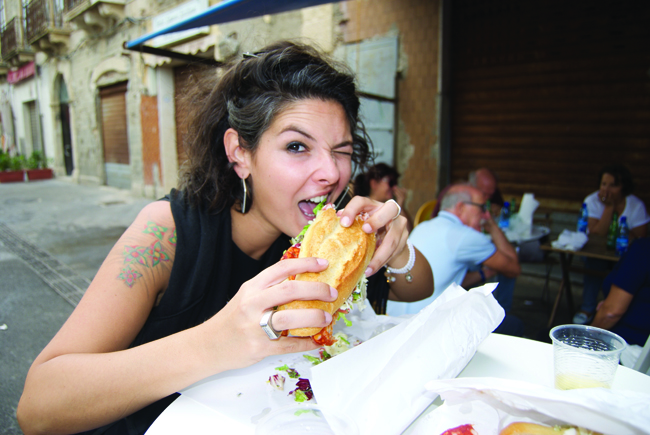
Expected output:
{"points": [[594, 248], [499, 356], [536, 232]]}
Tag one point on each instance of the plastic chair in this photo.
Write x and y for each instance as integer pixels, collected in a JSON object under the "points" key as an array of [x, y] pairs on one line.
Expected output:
{"points": [[643, 363], [424, 212]]}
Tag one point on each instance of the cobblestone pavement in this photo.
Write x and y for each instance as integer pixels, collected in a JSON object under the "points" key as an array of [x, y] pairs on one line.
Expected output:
{"points": [[54, 235]]}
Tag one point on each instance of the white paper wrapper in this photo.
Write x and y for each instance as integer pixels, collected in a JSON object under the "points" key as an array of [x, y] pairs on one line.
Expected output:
{"points": [[571, 240], [527, 208], [243, 397], [380, 384], [490, 404]]}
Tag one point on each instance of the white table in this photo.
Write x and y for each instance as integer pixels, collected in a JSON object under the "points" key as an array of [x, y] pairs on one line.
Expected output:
{"points": [[499, 356]]}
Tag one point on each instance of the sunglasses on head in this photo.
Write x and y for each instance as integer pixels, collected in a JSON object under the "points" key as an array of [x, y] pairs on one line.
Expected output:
{"points": [[390, 180]]}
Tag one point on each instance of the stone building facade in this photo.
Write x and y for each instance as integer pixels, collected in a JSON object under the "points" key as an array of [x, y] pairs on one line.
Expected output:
{"points": [[107, 115]]}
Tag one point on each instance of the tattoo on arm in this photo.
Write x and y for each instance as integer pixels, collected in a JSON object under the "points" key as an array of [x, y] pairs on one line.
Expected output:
{"points": [[129, 276], [147, 256]]}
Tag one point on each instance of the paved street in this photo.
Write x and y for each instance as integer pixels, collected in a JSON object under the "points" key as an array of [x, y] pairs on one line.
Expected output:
{"points": [[54, 236]]}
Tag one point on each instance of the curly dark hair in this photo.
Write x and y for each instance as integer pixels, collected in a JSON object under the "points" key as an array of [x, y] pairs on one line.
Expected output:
{"points": [[376, 172], [622, 176], [248, 97]]}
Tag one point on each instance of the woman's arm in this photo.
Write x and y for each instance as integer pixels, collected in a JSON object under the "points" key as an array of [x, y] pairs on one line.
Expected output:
{"points": [[421, 285], [600, 226], [612, 308], [80, 380], [87, 377]]}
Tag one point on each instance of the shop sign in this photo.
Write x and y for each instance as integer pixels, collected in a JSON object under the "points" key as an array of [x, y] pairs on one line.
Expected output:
{"points": [[21, 73], [174, 16]]}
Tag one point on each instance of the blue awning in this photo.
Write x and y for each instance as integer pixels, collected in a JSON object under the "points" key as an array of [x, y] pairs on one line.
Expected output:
{"points": [[226, 11]]}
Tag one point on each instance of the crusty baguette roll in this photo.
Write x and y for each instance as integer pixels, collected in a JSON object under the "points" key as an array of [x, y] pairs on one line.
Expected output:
{"points": [[348, 250], [522, 428]]}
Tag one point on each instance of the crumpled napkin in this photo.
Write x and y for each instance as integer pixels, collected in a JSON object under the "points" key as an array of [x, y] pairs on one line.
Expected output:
{"points": [[571, 240], [490, 404], [380, 384]]}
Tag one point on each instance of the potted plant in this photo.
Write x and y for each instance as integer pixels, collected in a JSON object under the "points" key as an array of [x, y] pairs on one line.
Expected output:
{"points": [[11, 168], [37, 167]]}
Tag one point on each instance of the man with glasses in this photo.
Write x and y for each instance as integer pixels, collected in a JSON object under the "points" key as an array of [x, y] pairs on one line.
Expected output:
{"points": [[456, 249]]}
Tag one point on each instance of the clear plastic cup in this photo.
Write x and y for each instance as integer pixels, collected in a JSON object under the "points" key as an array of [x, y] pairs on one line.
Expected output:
{"points": [[585, 356], [301, 419]]}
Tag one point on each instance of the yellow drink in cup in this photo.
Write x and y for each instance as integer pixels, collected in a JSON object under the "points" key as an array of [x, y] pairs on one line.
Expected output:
{"points": [[574, 381], [585, 356]]}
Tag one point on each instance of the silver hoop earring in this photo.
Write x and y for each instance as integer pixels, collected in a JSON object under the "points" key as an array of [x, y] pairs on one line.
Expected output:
{"points": [[243, 207]]}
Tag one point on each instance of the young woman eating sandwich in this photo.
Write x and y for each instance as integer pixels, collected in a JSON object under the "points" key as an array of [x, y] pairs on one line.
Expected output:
{"points": [[186, 289]]}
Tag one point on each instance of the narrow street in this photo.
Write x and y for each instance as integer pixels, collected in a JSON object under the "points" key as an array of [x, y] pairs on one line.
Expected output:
{"points": [[54, 236]]}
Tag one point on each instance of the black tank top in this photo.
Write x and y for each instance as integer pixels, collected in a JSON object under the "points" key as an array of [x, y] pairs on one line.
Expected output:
{"points": [[208, 271]]}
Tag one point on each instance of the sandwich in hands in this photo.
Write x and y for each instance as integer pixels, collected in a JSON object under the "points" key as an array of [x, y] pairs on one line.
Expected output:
{"points": [[348, 251]]}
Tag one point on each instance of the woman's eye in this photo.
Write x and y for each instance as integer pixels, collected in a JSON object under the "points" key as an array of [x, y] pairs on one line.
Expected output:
{"points": [[347, 151], [296, 147]]}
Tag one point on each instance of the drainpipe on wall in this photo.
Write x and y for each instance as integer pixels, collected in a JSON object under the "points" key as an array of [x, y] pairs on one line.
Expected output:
{"points": [[444, 95]]}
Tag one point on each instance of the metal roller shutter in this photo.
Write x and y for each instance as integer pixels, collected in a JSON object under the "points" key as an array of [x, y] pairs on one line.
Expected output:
{"points": [[546, 93], [115, 136]]}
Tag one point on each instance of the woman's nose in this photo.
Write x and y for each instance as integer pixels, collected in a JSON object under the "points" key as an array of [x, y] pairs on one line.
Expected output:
{"points": [[327, 171]]}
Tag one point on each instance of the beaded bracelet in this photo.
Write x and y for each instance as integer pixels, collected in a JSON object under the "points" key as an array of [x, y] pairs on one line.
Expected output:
{"points": [[406, 269]]}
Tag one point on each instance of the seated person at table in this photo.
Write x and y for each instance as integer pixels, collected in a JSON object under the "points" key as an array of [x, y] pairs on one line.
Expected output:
{"points": [[484, 180], [379, 182], [626, 308], [182, 294], [613, 196], [452, 243]]}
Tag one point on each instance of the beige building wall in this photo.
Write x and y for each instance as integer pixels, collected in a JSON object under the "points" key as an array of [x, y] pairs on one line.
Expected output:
{"points": [[416, 23], [94, 57]]}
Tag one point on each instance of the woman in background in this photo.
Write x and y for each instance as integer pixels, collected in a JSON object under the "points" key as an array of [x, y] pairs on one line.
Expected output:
{"points": [[613, 196], [379, 182]]}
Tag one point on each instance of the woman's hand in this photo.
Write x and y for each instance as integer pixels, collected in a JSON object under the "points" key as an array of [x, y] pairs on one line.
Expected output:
{"points": [[606, 198], [384, 219], [238, 323]]}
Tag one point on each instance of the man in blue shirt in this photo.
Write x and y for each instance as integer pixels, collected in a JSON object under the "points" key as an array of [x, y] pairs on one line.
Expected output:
{"points": [[453, 243], [626, 307]]}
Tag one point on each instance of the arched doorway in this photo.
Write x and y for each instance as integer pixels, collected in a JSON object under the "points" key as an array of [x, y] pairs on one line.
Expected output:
{"points": [[65, 127]]}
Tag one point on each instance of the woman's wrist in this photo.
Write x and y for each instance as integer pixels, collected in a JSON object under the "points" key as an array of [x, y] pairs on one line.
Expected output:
{"points": [[406, 269]]}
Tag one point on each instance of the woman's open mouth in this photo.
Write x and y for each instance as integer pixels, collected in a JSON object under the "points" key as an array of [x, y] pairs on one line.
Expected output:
{"points": [[307, 206]]}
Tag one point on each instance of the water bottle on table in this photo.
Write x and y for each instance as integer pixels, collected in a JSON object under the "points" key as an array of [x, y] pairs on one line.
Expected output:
{"points": [[583, 222], [504, 218], [623, 238]]}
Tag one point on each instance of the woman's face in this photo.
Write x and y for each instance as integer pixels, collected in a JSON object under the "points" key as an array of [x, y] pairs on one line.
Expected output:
{"points": [[305, 155], [609, 191], [382, 189]]}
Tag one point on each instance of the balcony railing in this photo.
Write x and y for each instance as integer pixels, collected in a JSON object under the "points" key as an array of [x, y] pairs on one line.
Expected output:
{"points": [[71, 4], [9, 38], [40, 16]]}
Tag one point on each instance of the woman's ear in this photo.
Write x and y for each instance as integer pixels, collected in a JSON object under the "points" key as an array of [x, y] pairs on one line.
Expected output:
{"points": [[236, 154]]}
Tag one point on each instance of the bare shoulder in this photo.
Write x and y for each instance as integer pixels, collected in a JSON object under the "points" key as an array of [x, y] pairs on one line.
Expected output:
{"points": [[128, 285]]}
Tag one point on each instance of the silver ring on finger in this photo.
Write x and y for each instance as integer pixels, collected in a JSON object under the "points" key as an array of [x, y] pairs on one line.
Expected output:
{"points": [[399, 209], [267, 326]]}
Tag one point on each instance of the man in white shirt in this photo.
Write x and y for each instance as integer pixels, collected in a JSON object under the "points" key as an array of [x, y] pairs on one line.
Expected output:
{"points": [[453, 243]]}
